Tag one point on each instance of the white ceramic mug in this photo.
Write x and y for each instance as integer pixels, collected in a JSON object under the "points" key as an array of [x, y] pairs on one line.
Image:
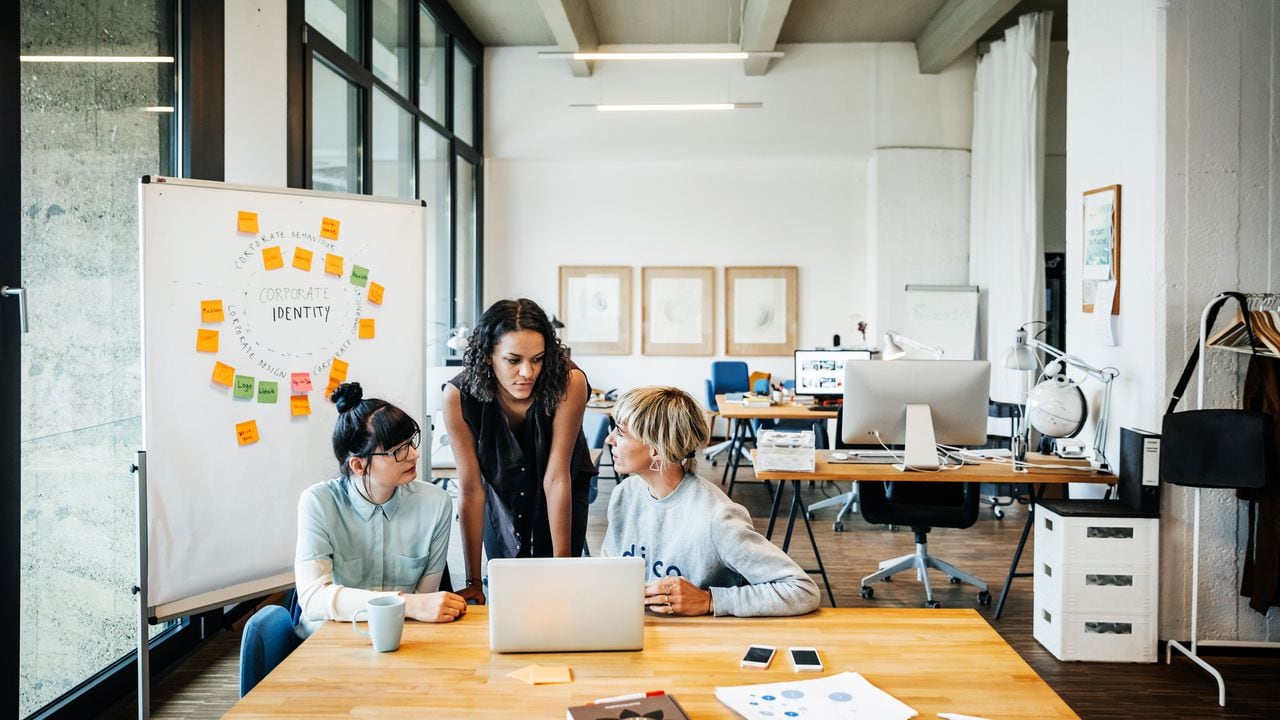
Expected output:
{"points": [[386, 621]]}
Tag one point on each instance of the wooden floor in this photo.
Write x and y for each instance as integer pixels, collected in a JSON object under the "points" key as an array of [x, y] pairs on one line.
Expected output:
{"points": [[208, 683]]}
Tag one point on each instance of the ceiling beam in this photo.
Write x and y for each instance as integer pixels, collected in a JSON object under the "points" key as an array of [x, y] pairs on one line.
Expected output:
{"points": [[574, 29], [761, 23], [954, 28]]}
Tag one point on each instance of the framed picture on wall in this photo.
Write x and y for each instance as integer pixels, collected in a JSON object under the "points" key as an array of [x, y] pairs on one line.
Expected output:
{"points": [[677, 316], [761, 310], [595, 304], [1101, 230]]}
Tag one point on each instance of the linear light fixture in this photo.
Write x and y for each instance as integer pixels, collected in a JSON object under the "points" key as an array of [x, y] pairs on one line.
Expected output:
{"points": [[670, 107], [662, 55], [93, 59], [158, 108]]}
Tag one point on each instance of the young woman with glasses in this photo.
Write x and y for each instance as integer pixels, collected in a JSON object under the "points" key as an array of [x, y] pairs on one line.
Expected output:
{"points": [[514, 419], [375, 529]]}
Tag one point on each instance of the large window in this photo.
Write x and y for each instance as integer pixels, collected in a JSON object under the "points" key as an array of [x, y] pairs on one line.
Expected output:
{"points": [[392, 107]]}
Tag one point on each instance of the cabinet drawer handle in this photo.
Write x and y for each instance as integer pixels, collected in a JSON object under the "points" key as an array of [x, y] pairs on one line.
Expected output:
{"points": [[1109, 580], [1108, 628], [1109, 533]]}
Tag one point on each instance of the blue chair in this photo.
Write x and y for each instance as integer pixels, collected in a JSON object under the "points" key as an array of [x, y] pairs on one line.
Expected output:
{"points": [[727, 376], [268, 638]]}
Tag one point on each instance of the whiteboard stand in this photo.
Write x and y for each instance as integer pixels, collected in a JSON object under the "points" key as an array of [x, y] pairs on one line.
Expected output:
{"points": [[144, 630]]}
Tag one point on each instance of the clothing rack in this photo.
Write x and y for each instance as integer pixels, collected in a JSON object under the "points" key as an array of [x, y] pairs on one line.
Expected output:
{"points": [[1256, 301]]}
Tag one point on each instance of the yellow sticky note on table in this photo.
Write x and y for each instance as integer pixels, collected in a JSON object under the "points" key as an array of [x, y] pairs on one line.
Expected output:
{"points": [[302, 259], [333, 264], [542, 674], [339, 370], [329, 228], [375, 293], [300, 405], [366, 328], [247, 432], [224, 374], [272, 258], [211, 311], [207, 341], [246, 222]]}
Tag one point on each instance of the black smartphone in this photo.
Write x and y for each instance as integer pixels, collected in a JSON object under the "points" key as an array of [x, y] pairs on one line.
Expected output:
{"points": [[758, 656]]}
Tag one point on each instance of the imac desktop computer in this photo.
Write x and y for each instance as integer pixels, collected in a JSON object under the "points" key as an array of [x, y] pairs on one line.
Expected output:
{"points": [[820, 373], [916, 403]]}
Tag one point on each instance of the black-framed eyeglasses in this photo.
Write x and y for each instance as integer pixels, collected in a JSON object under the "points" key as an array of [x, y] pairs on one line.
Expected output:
{"points": [[400, 453]]}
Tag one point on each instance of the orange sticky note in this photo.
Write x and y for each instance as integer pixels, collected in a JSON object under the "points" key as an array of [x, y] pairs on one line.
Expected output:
{"points": [[366, 328], [302, 259], [329, 228], [207, 341], [300, 405], [333, 264], [223, 374], [247, 432], [375, 293], [211, 311], [328, 390], [246, 222], [272, 258], [339, 369]]}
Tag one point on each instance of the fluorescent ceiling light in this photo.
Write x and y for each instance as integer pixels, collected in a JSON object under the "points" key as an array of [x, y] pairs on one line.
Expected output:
{"points": [[664, 55], [671, 107], [158, 108], [93, 59]]}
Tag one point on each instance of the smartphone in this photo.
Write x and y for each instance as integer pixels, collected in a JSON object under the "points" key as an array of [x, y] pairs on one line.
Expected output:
{"points": [[758, 656], [805, 659]]}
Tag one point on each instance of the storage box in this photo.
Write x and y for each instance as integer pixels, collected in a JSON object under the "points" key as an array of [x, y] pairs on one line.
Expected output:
{"points": [[1121, 534], [1099, 637], [785, 451]]}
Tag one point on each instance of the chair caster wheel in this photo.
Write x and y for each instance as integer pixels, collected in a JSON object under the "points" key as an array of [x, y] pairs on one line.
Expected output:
{"points": [[838, 527], [867, 592], [953, 580], [998, 512], [808, 515], [887, 578], [932, 604], [984, 598]]}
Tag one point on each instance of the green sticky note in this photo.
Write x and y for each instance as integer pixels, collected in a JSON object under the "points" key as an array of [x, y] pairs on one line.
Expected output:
{"points": [[267, 392], [244, 387], [359, 275]]}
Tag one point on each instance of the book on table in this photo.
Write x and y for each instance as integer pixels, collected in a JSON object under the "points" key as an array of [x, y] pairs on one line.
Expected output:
{"points": [[658, 707]]}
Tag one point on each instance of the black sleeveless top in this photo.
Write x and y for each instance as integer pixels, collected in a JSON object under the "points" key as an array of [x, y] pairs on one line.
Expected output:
{"points": [[513, 464]]}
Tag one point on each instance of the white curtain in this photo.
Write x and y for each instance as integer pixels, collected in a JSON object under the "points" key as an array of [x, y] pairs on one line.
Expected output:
{"points": [[1006, 201]]}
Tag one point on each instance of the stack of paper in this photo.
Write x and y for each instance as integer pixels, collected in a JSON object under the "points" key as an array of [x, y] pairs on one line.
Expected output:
{"points": [[847, 696], [785, 451]]}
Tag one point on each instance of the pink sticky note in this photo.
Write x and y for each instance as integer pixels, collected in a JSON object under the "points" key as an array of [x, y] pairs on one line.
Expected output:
{"points": [[301, 382]]}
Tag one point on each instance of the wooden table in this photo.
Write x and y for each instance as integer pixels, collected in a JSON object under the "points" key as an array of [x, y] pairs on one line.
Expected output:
{"points": [[1039, 478], [933, 660]]}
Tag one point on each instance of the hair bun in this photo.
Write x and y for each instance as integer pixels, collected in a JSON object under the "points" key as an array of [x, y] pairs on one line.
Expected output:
{"points": [[347, 396]]}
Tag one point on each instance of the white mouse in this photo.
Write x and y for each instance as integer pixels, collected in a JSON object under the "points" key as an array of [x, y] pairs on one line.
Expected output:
{"points": [[839, 456]]}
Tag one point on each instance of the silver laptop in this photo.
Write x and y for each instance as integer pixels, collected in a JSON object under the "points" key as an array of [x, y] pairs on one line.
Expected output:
{"points": [[566, 604]]}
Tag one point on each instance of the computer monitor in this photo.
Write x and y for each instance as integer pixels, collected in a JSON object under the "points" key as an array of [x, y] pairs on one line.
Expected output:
{"points": [[821, 372], [917, 403]]}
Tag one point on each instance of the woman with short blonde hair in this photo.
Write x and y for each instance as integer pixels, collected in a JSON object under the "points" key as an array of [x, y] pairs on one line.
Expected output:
{"points": [[702, 554]]}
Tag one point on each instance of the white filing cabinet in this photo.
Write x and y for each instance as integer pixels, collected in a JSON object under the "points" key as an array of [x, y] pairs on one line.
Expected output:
{"points": [[1096, 581]]}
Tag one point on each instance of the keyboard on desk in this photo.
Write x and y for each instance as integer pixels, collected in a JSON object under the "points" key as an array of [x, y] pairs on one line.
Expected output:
{"points": [[824, 408]]}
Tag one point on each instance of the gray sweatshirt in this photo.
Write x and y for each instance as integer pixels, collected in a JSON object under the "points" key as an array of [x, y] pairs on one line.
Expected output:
{"points": [[699, 534]]}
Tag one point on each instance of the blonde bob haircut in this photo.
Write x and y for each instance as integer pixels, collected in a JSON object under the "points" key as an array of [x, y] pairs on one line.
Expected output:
{"points": [[666, 419]]}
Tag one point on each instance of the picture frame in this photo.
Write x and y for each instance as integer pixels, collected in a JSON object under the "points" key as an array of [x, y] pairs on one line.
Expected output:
{"points": [[761, 310], [595, 307], [1100, 232], [677, 310]]}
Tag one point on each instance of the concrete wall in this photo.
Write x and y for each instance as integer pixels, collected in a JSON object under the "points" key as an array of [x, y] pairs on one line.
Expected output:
{"points": [[787, 184], [1176, 101]]}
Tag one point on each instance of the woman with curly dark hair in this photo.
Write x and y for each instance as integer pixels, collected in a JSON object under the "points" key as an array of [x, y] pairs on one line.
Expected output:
{"points": [[514, 420]]}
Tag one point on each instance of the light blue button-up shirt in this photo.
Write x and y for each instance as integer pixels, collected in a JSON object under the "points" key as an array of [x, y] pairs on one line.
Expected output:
{"points": [[348, 546]]}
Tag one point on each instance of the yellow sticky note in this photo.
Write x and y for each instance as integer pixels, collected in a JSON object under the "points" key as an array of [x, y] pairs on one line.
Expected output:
{"points": [[211, 311], [272, 258], [366, 328], [207, 341], [224, 374], [375, 293], [302, 259], [246, 222], [329, 228], [333, 264], [542, 674], [247, 432], [300, 405], [339, 370]]}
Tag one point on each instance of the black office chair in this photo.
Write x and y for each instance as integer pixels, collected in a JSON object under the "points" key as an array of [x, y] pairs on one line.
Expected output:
{"points": [[922, 506]]}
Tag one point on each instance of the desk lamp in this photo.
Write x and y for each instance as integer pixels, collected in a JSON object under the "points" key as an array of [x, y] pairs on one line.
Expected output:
{"points": [[458, 341], [893, 350], [1056, 405]]}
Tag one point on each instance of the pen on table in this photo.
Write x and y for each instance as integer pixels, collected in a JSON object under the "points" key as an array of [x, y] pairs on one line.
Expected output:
{"points": [[631, 696]]}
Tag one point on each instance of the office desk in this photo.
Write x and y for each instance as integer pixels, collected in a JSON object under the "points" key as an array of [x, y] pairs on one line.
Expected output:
{"points": [[1040, 478], [933, 660]]}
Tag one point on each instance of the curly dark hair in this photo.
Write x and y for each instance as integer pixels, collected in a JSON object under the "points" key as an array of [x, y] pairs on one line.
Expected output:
{"points": [[501, 318]]}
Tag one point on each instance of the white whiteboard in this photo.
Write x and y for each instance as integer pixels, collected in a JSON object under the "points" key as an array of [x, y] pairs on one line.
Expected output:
{"points": [[944, 316], [219, 513]]}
